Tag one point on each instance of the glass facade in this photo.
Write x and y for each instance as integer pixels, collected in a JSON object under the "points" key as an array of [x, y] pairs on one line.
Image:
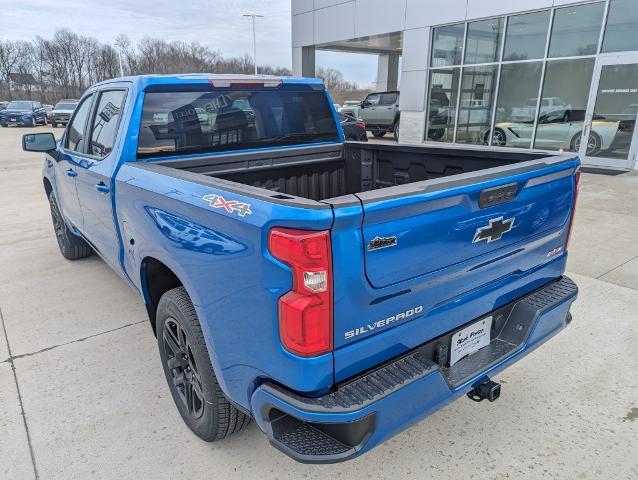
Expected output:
{"points": [[620, 34], [520, 80]]}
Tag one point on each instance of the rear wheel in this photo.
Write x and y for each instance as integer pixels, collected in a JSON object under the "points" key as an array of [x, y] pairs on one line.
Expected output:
{"points": [[189, 372], [71, 246], [594, 143], [54, 125], [499, 138], [378, 133]]}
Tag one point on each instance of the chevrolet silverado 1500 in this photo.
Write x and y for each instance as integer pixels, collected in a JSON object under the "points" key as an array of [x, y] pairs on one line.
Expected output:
{"points": [[335, 292]]}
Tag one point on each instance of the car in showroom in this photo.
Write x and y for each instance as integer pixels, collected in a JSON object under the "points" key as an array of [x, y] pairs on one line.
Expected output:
{"points": [[556, 130], [24, 113], [62, 112]]}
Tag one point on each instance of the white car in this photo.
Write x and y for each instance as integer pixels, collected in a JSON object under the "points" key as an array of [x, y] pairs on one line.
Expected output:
{"points": [[554, 133], [351, 107]]}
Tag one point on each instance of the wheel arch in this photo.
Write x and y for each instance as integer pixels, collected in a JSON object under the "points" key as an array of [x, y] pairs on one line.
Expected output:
{"points": [[156, 278], [48, 188]]}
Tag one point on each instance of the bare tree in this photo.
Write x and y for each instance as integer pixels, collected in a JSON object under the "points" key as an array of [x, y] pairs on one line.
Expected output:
{"points": [[64, 66]]}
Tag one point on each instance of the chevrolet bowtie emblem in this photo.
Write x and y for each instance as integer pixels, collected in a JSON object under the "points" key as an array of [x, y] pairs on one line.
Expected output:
{"points": [[494, 231]]}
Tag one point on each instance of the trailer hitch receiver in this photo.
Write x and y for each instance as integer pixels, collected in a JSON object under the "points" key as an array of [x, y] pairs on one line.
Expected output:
{"points": [[485, 388]]}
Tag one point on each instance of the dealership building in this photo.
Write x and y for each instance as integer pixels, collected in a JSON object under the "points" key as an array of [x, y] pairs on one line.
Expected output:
{"points": [[542, 74]]}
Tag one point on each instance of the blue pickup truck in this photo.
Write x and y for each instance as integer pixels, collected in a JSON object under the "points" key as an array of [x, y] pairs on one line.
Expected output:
{"points": [[335, 292]]}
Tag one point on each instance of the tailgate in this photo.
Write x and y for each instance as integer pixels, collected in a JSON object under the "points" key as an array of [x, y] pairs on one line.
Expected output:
{"points": [[470, 219]]}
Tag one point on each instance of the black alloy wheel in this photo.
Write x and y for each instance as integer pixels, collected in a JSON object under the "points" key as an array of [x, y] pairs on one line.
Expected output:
{"points": [[178, 356]]}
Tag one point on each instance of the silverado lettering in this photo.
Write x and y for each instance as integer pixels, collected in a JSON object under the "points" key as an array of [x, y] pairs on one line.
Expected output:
{"points": [[385, 322]]}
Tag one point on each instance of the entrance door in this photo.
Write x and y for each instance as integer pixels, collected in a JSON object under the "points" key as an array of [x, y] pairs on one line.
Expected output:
{"points": [[611, 114]]}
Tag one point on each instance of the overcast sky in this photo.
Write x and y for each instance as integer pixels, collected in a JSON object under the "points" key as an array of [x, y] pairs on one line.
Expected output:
{"points": [[216, 23]]}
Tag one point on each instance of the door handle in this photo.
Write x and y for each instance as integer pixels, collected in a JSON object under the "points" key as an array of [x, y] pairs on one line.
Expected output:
{"points": [[71, 173], [102, 188]]}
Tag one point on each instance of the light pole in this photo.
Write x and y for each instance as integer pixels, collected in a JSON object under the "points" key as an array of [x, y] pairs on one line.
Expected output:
{"points": [[119, 56], [253, 16]]}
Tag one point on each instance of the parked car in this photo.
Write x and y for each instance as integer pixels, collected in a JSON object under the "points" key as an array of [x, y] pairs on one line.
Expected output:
{"points": [[23, 113], [353, 128], [351, 107], [3, 105], [48, 109], [554, 132], [336, 293], [380, 112], [62, 112]]}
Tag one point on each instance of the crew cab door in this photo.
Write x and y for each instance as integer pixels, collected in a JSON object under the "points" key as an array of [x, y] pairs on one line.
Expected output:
{"points": [[94, 184], [369, 106], [69, 158]]}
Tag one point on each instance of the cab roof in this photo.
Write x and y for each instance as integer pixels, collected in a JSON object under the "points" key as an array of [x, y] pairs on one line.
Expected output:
{"points": [[143, 81]]}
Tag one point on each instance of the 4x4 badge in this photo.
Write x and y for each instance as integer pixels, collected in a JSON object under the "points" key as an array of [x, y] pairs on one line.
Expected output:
{"points": [[494, 231], [231, 206]]}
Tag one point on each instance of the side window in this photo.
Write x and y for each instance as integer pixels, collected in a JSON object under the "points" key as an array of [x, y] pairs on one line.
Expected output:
{"points": [[389, 98], [105, 122], [76, 130], [373, 99]]}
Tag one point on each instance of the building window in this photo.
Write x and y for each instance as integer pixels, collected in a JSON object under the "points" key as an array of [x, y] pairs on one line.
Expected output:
{"points": [[563, 104], [526, 36], [444, 86], [576, 30], [516, 105], [483, 43], [447, 45], [477, 100], [620, 34]]}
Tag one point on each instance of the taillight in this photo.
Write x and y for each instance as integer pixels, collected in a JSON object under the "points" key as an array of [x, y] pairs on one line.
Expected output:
{"points": [[571, 217], [305, 312]]}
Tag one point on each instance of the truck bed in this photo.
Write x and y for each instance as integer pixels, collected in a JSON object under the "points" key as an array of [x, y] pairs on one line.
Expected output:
{"points": [[324, 172]]}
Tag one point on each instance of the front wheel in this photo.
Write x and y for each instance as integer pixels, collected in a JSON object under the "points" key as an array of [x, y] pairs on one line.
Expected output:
{"points": [[71, 246], [499, 138], [397, 125], [34, 122], [378, 133], [189, 372]]}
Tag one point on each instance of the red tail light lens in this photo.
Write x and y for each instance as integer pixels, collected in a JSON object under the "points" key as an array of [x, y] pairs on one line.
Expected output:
{"points": [[571, 217], [305, 312]]}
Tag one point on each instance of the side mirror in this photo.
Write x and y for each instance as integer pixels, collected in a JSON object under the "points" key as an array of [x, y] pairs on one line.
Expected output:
{"points": [[38, 142], [365, 104]]}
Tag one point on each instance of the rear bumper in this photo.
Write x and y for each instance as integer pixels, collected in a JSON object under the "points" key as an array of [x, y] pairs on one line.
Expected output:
{"points": [[367, 410]]}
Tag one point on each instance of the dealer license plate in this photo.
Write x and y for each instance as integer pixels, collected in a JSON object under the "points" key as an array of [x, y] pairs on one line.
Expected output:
{"points": [[471, 339], [14, 119]]}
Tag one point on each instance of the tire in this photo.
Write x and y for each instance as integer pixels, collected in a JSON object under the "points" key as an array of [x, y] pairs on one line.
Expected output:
{"points": [[378, 133], [54, 125], [395, 129], [34, 122], [498, 138], [71, 246], [187, 367], [594, 143]]}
